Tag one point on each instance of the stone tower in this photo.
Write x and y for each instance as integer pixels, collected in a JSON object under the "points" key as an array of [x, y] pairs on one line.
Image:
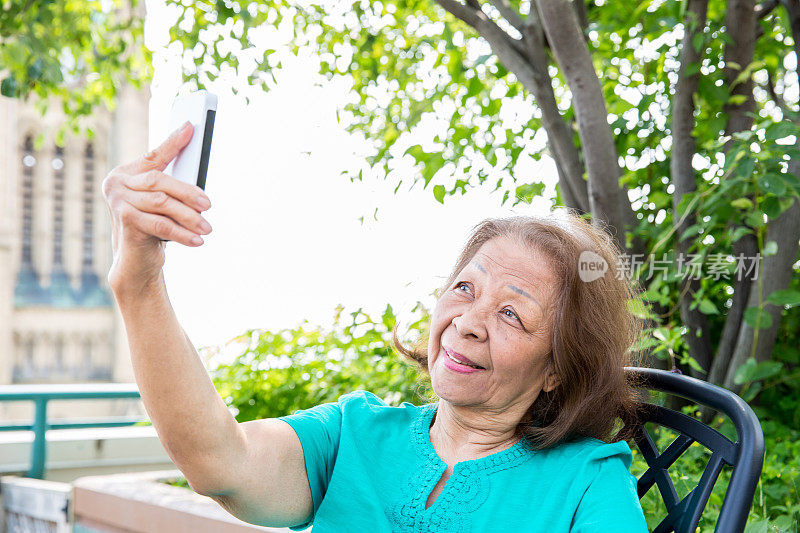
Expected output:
{"points": [[58, 321]]}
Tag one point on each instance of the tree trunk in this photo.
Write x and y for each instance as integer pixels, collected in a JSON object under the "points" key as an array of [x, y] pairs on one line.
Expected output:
{"points": [[608, 201], [683, 178], [775, 273], [740, 23], [747, 246]]}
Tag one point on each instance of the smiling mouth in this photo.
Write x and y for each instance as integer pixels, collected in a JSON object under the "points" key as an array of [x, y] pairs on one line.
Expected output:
{"points": [[460, 362]]}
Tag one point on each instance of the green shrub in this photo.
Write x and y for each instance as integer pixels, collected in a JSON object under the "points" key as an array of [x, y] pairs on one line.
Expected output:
{"points": [[278, 373]]}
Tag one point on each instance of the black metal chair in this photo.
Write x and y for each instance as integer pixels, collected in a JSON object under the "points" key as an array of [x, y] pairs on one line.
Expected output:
{"points": [[745, 456]]}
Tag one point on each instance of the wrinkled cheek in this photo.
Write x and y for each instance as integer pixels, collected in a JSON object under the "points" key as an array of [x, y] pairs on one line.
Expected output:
{"points": [[435, 335], [434, 338]]}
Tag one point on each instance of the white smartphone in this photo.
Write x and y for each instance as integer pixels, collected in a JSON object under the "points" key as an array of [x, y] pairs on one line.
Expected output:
{"points": [[191, 164]]}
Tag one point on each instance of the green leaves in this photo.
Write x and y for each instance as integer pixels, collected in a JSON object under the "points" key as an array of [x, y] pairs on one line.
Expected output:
{"points": [[638, 308], [780, 130], [757, 318], [526, 192], [784, 297], [742, 203], [474, 86], [77, 54], [9, 87], [707, 307], [432, 163], [738, 233], [438, 193], [691, 231], [772, 182], [279, 372], [752, 371]]}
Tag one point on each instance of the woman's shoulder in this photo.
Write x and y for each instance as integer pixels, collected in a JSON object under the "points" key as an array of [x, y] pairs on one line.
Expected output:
{"points": [[369, 416], [589, 454], [369, 404]]}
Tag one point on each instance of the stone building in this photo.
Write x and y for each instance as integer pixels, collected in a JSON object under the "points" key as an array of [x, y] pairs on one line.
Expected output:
{"points": [[58, 320]]}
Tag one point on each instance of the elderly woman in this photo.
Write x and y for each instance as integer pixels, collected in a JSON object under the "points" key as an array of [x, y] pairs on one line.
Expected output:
{"points": [[525, 355]]}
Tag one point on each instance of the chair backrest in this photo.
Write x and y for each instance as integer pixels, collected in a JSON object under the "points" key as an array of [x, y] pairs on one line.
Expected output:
{"points": [[745, 456]]}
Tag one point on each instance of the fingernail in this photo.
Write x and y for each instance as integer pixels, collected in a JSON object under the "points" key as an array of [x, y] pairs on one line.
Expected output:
{"points": [[197, 240], [185, 126], [203, 202], [205, 226]]}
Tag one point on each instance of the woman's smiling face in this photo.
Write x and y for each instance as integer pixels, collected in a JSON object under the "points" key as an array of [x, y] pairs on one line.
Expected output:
{"points": [[495, 315]]}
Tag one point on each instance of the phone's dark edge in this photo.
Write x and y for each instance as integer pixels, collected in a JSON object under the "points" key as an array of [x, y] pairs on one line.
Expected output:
{"points": [[205, 152]]}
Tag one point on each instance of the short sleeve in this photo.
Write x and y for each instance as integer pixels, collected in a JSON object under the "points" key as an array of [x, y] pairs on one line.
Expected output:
{"points": [[319, 429], [610, 502]]}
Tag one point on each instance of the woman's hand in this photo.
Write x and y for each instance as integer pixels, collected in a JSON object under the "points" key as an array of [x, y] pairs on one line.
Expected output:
{"points": [[147, 207]]}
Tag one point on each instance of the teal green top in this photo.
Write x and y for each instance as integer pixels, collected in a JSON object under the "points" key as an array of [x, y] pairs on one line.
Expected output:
{"points": [[371, 467]]}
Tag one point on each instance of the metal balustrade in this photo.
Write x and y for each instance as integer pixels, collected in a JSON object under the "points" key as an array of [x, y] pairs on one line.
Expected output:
{"points": [[40, 395]]}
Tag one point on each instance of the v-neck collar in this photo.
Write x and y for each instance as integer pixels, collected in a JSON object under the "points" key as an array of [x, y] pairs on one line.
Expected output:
{"points": [[466, 490]]}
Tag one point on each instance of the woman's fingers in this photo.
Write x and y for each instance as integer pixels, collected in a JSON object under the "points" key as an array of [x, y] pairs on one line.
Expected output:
{"points": [[161, 203], [155, 204], [159, 158], [155, 180], [159, 226]]}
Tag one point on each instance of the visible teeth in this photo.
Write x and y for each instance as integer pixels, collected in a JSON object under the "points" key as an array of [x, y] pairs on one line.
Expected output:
{"points": [[460, 362]]}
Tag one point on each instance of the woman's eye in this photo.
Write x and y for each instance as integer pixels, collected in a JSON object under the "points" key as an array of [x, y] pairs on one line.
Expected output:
{"points": [[512, 315], [461, 284]]}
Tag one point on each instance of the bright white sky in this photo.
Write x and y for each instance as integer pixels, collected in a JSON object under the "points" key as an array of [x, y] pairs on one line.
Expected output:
{"points": [[287, 244]]}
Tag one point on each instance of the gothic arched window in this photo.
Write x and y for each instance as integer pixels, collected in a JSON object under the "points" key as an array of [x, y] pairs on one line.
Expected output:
{"points": [[61, 294], [58, 209], [28, 162], [27, 290], [88, 209], [92, 294]]}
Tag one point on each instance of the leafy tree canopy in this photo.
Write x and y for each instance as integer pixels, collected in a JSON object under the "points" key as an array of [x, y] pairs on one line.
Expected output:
{"points": [[73, 53], [674, 122]]}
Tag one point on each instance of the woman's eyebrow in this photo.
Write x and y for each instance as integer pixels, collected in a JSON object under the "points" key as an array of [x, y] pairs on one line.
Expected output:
{"points": [[478, 266], [520, 291], [512, 287]]}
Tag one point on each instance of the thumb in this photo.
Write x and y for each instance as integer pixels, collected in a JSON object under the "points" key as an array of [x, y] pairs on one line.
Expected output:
{"points": [[160, 157]]}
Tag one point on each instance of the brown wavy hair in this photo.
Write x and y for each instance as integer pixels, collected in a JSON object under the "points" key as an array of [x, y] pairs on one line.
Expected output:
{"points": [[592, 335]]}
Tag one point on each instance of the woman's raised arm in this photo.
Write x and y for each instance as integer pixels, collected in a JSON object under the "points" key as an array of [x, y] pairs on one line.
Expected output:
{"points": [[255, 469]]}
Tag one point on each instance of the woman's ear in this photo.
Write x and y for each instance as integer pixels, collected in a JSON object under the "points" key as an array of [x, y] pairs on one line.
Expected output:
{"points": [[551, 381]]}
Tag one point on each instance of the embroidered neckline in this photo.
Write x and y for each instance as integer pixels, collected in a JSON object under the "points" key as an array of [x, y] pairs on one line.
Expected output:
{"points": [[420, 430], [465, 491]]}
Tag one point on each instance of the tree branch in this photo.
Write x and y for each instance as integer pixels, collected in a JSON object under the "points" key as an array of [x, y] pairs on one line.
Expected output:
{"points": [[740, 21], [583, 18], [531, 70], [793, 11], [510, 14], [466, 13], [489, 30], [765, 8], [559, 132], [778, 99]]}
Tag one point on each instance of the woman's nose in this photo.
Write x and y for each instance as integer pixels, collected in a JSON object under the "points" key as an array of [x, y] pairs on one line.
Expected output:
{"points": [[471, 322]]}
